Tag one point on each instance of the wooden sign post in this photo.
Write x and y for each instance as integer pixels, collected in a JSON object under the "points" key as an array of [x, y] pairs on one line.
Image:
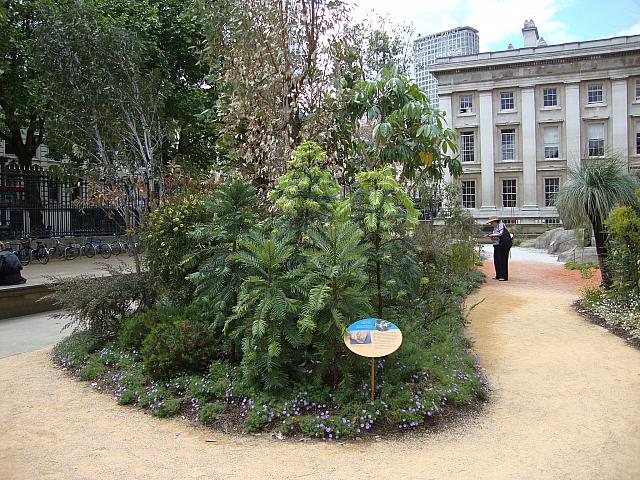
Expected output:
{"points": [[373, 338]]}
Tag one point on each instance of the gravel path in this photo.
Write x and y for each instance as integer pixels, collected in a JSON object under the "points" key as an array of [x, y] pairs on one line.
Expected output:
{"points": [[565, 405]]}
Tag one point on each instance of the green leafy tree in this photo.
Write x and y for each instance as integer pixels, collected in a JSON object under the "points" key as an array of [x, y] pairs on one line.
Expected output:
{"points": [[398, 127], [591, 192], [335, 283], [22, 106], [623, 227], [23, 116], [267, 311], [386, 213], [108, 110]]}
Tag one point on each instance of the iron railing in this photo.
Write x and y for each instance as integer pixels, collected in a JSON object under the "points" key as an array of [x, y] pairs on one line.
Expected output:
{"points": [[35, 204]]}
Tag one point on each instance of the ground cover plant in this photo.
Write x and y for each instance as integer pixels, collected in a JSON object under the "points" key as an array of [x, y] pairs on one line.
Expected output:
{"points": [[257, 338]]}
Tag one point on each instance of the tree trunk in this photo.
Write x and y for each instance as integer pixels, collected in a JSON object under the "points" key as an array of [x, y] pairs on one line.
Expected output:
{"points": [[601, 249], [25, 151]]}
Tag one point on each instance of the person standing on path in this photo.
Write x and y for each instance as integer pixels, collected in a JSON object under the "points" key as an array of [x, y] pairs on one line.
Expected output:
{"points": [[500, 250]]}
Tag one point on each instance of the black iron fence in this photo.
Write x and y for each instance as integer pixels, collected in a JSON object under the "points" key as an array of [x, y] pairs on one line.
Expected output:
{"points": [[34, 204]]}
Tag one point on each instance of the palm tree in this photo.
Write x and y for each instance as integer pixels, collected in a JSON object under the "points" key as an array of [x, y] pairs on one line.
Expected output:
{"points": [[589, 195]]}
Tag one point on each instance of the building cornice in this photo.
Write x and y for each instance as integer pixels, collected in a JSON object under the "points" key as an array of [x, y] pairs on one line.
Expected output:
{"points": [[554, 54]]}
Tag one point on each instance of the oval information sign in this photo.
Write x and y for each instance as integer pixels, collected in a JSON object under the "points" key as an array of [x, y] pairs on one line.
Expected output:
{"points": [[373, 337]]}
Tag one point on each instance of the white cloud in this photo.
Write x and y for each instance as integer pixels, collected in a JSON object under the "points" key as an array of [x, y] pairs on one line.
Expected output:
{"points": [[632, 30], [496, 20]]}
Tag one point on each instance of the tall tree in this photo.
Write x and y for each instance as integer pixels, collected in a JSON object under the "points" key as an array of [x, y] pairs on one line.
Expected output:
{"points": [[108, 111], [276, 62], [591, 192], [22, 112], [22, 105]]}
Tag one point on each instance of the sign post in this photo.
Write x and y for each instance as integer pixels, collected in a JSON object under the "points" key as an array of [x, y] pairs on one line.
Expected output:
{"points": [[373, 337]]}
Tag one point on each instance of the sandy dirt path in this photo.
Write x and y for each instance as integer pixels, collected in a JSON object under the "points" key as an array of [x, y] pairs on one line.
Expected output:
{"points": [[565, 405]]}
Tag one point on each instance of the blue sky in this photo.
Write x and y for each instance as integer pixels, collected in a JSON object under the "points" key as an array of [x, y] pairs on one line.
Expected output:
{"points": [[499, 21]]}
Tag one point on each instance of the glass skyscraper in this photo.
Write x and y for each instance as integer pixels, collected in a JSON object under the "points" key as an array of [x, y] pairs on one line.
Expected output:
{"points": [[451, 43]]}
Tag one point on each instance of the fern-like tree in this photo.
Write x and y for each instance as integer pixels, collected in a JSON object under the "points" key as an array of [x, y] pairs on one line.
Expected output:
{"points": [[386, 214], [307, 193], [335, 284], [591, 192], [265, 317], [234, 209]]}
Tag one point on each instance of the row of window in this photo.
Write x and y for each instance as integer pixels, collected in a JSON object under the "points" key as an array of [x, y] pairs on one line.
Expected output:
{"points": [[595, 146], [595, 95], [509, 192]]}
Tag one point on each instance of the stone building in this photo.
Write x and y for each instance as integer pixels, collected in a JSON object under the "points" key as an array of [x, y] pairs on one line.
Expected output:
{"points": [[525, 115]]}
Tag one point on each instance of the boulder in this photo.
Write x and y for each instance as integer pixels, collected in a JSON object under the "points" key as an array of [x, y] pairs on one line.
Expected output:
{"points": [[579, 255], [542, 241], [562, 241]]}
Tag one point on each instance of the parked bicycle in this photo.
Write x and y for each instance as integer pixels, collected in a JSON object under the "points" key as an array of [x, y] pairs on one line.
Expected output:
{"points": [[40, 253], [60, 249], [119, 245], [24, 251], [95, 245]]}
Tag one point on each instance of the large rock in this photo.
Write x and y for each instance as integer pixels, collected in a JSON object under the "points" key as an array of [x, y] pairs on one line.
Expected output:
{"points": [[579, 255], [553, 241], [562, 241]]}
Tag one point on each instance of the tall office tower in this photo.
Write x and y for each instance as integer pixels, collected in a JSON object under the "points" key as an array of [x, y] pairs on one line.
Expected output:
{"points": [[451, 43]]}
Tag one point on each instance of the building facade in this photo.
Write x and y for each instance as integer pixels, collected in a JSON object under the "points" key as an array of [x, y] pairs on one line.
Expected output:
{"points": [[427, 49], [524, 116]]}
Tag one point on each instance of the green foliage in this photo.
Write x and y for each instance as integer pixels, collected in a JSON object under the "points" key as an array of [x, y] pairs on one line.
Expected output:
{"points": [[74, 351], [183, 344], [100, 304], [406, 131], [617, 309], [265, 316], [623, 227], [93, 369], [386, 214], [336, 291], [209, 412], [307, 193], [585, 268], [22, 105], [167, 239], [136, 327], [158, 400], [235, 210], [590, 194]]}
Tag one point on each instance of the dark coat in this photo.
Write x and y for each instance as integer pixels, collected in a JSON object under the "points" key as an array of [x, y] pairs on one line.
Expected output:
{"points": [[10, 267]]}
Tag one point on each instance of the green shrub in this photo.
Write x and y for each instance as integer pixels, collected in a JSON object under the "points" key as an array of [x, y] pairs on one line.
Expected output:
{"points": [[167, 240], [185, 345], [100, 304], [623, 227], [585, 268], [158, 400], [135, 328], [74, 351], [209, 412], [93, 369]]}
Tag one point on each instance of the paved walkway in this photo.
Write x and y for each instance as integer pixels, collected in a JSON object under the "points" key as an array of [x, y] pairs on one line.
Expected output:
{"points": [[38, 274], [565, 404]]}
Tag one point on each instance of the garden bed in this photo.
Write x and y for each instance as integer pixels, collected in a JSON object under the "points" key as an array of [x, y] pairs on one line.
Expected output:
{"points": [[623, 332]]}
